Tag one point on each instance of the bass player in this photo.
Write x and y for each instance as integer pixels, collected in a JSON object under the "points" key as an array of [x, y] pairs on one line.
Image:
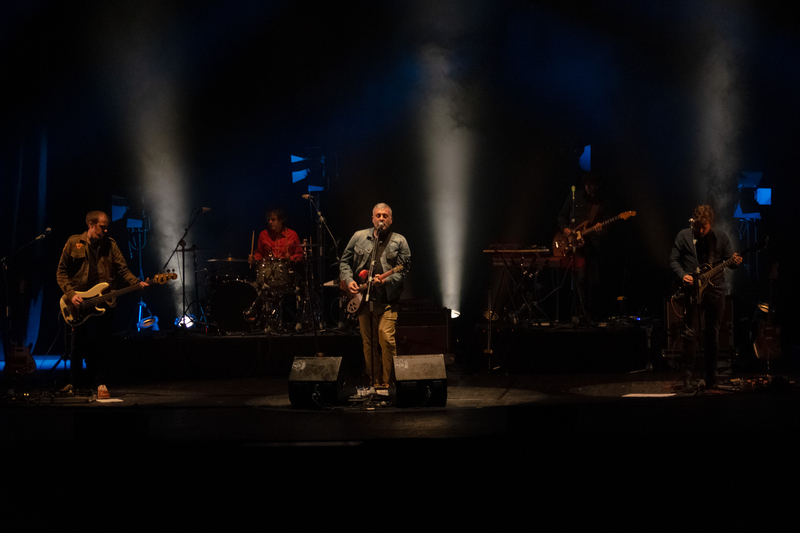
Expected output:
{"points": [[88, 259]]}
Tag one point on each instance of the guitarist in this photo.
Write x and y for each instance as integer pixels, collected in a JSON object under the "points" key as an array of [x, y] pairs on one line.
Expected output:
{"points": [[591, 207], [378, 317], [694, 246], [88, 259]]}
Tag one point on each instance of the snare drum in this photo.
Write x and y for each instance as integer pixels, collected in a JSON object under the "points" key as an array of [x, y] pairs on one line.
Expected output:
{"points": [[229, 302], [275, 274]]}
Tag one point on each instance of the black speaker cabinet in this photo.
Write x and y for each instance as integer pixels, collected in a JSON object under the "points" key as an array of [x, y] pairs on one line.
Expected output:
{"points": [[420, 380], [316, 382]]}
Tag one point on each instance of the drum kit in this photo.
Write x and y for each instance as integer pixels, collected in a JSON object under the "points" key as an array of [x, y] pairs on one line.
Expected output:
{"points": [[270, 296]]}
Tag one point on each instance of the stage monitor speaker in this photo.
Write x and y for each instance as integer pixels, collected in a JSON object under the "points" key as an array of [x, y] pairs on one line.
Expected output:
{"points": [[420, 380], [316, 382]]}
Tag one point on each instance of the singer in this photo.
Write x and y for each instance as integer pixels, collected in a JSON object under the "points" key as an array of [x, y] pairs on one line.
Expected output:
{"points": [[379, 315], [88, 259], [693, 247]]}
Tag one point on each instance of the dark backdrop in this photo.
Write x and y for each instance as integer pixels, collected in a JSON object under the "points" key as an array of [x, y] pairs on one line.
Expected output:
{"points": [[674, 100]]}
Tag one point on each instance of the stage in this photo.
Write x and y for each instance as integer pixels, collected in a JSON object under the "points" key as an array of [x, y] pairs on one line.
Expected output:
{"points": [[511, 439], [541, 383]]}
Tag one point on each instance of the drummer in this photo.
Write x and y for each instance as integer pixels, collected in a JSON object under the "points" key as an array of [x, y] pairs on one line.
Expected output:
{"points": [[277, 241]]}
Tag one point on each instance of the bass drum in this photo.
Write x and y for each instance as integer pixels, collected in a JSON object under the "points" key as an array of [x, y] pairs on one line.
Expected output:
{"points": [[229, 302]]}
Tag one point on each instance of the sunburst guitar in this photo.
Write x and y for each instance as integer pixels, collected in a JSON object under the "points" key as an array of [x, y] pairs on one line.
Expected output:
{"points": [[564, 244]]}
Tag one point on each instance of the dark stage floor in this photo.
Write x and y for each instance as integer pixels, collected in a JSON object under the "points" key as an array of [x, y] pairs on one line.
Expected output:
{"points": [[504, 445]]}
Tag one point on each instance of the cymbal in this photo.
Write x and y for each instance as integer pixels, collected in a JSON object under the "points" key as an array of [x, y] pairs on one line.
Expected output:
{"points": [[227, 260]]}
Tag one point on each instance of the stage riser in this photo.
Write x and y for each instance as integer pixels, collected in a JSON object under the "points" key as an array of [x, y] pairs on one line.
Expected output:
{"points": [[568, 350], [184, 357]]}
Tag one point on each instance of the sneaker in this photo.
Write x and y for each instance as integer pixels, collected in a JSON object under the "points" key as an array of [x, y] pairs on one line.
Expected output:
{"points": [[102, 393]]}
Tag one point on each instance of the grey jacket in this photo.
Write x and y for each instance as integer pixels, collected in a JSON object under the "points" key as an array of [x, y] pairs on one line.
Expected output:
{"points": [[357, 254]]}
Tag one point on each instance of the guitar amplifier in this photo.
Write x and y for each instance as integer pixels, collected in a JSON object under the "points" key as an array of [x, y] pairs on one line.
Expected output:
{"points": [[424, 332]]}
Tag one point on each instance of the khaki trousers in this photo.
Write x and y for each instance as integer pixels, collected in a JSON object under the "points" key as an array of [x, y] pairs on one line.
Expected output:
{"points": [[383, 321]]}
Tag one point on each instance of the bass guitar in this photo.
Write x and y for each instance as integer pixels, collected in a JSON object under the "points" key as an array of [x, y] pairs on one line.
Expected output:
{"points": [[692, 293], [97, 296], [356, 301], [564, 244]]}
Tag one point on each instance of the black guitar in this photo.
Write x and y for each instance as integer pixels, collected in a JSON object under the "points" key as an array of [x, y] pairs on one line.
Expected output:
{"points": [[692, 293]]}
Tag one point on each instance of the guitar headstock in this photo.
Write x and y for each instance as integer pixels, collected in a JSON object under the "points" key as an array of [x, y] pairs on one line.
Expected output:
{"points": [[403, 266], [164, 277], [627, 214]]}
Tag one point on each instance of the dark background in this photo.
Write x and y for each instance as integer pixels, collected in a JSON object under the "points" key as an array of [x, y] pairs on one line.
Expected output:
{"points": [[674, 98]]}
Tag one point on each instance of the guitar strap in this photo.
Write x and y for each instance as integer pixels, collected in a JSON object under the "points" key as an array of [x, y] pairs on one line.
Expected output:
{"points": [[592, 214], [382, 248]]}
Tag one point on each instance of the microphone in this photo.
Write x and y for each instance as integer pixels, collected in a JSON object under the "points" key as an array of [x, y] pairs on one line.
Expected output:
{"points": [[43, 235], [573, 192]]}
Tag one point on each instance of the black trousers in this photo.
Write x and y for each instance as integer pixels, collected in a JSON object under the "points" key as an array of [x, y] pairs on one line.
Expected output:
{"points": [[91, 342], [710, 309]]}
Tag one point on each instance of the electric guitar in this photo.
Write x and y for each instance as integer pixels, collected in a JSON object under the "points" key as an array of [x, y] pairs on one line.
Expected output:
{"points": [[692, 293], [563, 244], [356, 301], [96, 296]]}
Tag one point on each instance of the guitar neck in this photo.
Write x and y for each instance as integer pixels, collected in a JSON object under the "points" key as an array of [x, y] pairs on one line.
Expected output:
{"points": [[603, 224], [717, 269], [106, 297]]}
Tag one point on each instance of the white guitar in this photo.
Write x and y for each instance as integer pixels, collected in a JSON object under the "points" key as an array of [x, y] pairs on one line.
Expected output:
{"points": [[96, 296]]}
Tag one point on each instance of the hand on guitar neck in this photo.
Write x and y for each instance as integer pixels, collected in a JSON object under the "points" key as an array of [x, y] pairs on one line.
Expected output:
{"points": [[596, 227], [377, 281], [77, 299]]}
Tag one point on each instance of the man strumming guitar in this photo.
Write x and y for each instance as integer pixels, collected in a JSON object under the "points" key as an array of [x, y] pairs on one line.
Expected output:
{"points": [[377, 322], [695, 246], [88, 259], [591, 207]]}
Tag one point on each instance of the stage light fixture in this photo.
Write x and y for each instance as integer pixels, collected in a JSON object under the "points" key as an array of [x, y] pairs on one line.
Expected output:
{"points": [[186, 321], [585, 159]]}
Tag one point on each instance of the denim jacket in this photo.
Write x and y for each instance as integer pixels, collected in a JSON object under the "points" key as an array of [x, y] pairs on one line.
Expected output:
{"points": [[358, 252]]}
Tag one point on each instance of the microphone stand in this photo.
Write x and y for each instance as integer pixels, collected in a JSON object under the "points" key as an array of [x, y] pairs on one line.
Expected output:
{"points": [[694, 301], [576, 288], [371, 303], [7, 337], [323, 223], [182, 245]]}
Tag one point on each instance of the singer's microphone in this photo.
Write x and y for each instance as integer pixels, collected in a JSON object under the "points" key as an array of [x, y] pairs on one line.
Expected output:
{"points": [[43, 235], [573, 192]]}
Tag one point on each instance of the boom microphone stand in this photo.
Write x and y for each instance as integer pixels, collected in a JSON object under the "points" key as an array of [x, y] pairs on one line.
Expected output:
{"points": [[182, 245]]}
